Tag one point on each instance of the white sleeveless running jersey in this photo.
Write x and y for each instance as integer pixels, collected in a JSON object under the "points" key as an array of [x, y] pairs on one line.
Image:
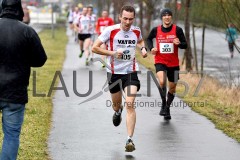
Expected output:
{"points": [[76, 16], [93, 22], [84, 24], [70, 16], [116, 39]]}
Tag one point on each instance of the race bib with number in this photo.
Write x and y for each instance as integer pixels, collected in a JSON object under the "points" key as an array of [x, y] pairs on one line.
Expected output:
{"points": [[128, 54], [166, 48], [85, 27]]}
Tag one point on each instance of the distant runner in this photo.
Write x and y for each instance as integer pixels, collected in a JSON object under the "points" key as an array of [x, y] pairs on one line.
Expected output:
{"points": [[231, 36], [83, 25], [102, 23], [92, 28]]}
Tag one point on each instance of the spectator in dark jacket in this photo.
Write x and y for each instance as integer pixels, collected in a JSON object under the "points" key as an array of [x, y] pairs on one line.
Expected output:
{"points": [[20, 49]]}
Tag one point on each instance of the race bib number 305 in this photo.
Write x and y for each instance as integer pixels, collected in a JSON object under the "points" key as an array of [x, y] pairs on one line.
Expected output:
{"points": [[166, 48], [128, 54]]}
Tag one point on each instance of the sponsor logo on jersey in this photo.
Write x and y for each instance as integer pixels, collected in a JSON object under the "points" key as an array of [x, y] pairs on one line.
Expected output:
{"points": [[121, 46], [170, 36], [129, 46], [126, 41], [126, 52], [166, 45]]}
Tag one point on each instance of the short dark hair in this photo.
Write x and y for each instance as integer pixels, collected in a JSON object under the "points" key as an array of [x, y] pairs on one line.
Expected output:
{"points": [[90, 7], [128, 9]]}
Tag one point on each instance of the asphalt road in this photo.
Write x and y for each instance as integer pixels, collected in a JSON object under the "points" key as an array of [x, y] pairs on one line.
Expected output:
{"points": [[85, 131]]}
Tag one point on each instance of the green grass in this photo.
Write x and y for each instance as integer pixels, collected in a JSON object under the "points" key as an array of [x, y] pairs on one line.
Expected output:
{"points": [[219, 104], [37, 121]]}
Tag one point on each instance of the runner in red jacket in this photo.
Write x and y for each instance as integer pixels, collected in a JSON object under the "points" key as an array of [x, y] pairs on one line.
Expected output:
{"points": [[102, 23]]}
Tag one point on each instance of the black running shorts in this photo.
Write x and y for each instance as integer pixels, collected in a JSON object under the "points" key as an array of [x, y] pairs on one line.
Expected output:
{"points": [[172, 72], [126, 79], [82, 37]]}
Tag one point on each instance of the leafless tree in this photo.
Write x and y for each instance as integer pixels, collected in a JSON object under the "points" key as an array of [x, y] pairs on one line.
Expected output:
{"points": [[150, 9], [188, 53]]}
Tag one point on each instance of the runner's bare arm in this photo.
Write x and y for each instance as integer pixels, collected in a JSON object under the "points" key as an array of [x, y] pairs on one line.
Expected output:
{"points": [[97, 49], [141, 45], [76, 28]]}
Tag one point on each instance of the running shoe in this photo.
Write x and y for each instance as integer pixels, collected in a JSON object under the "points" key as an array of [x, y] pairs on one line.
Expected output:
{"points": [[80, 55], [87, 63], [103, 66], [117, 118], [167, 116], [129, 146], [163, 111]]}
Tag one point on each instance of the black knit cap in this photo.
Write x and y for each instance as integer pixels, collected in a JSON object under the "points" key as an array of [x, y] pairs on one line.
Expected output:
{"points": [[165, 11]]}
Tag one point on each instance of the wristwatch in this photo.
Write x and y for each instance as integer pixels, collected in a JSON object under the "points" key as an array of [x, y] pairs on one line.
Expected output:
{"points": [[144, 47]]}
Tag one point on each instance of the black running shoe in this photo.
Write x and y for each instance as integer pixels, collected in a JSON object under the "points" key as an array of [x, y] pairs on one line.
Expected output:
{"points": [[117, 119], [129, 146], [167, 116], [163, 111]]}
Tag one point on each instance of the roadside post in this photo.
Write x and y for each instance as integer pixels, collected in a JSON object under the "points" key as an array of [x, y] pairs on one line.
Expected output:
{"points": [[52, 2]]}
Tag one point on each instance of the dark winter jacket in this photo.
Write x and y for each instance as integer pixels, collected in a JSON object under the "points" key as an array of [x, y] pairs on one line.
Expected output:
{"points": [[20, 49]]}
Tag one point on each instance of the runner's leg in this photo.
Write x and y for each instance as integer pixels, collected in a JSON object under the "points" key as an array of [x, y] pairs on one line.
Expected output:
{"points": [[86, 46], [131, 116], [117, 101], [129, 104], [161, 75]]}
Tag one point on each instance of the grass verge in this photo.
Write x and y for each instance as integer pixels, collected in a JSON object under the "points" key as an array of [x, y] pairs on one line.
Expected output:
{"points": [[218, 103], [37, 121]]}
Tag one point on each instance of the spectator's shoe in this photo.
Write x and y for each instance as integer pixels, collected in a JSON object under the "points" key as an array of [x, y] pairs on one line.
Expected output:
{"points": [[117, 118], [129, 146], [91, 59], [167, 116], [163, 110]]}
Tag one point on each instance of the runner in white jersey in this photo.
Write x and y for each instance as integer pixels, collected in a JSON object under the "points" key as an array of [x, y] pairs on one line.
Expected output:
{"points": [[83, 26], [92, 30], [122, 40], [70, 19], [76, 14]]}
